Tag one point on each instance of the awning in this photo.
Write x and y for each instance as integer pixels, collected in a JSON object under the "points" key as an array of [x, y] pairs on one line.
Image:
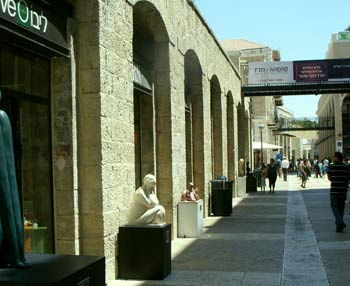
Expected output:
{"points": [[287, 134], [142, 77], [257, 145]]}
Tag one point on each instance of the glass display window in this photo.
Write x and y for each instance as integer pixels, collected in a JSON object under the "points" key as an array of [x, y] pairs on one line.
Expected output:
{"points": [[25, 86]]}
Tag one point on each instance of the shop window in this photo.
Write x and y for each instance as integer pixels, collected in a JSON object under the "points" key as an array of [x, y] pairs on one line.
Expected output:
{"points": [[25, 84], [36, 177], [143, 135]]}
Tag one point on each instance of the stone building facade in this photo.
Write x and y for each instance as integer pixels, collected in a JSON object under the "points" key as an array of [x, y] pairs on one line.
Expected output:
{"points": [[263, 109], [334, 109], [139, 87], [285, 140]]}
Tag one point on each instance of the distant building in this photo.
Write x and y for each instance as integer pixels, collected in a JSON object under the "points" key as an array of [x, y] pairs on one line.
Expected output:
{"points": [[263, 109], [285, 116]]}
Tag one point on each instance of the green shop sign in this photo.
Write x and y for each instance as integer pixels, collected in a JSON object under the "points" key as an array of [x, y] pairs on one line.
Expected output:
{"points": [[24, 14], [344, 36], [36, 24]]}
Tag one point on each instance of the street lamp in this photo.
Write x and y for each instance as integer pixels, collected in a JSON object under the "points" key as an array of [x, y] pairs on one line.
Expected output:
{"points": [[261, 127]]}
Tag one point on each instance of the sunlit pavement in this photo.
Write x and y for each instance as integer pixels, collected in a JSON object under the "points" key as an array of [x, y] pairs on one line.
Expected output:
{"points": [[287, 238]]}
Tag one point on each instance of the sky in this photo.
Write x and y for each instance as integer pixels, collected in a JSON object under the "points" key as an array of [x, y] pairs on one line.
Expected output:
{"points": [[299, 29]]}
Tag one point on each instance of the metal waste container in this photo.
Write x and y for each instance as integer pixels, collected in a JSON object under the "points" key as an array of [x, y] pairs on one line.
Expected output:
{"points": [[221, 197], [251, 184]]}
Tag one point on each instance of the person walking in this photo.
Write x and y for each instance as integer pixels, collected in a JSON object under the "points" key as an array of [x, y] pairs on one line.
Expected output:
{"points": [[317, 169], [271, 172], [298, 167], [325, 164], [263, 178], [304, 173], [338, 173], [285, 165]]}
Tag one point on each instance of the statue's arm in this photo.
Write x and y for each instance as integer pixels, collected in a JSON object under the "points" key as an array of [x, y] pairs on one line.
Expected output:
{"points": [[141, 197], [153, 199]]}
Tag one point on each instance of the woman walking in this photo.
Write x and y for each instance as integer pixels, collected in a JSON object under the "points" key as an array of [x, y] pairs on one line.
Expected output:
{"points": [[304, 174], [271, 171]]}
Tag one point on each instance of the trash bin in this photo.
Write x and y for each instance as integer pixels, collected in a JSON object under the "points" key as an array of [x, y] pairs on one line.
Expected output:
{"points": [[251, 184], [221, 197]]}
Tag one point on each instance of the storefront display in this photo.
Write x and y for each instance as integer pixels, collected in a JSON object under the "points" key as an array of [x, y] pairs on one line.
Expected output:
{"points": [[31, 34], [24, 82]]}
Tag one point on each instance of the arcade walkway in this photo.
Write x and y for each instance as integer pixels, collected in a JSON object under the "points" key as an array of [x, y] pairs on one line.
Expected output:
{"points": [[284, 239]]}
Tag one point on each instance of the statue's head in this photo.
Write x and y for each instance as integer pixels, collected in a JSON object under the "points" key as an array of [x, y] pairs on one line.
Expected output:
{"points": [[149, 181]]}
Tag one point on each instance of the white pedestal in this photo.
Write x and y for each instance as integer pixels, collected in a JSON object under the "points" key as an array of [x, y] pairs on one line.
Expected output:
{"points": [[190, 219], [242, 185]]}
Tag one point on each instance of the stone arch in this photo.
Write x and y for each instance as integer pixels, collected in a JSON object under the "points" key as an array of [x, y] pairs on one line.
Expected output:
{"points": [[230, 135], [194, 121], [152, 100], [216, 127]]}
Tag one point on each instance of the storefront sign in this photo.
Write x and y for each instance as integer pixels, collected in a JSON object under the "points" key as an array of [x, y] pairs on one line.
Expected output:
{"points": [[38, 23], [24, 15], [340, 146], [344, 36]]}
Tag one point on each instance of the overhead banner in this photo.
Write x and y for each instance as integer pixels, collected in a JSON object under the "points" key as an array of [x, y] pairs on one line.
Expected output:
{"points": [[339, 69], [270, 72], [262, 73], [310, 71]]}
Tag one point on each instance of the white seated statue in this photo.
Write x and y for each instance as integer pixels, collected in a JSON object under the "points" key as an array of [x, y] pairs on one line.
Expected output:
{"points": [[145, 208]]}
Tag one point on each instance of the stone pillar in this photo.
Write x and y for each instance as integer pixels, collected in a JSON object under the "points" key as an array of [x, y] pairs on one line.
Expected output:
{"points": [[105, 125], [64, 145], [207, 142], [163, 131]]}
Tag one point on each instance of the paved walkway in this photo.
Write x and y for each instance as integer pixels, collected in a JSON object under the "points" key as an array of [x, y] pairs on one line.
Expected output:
{"points": [[287, 238]]}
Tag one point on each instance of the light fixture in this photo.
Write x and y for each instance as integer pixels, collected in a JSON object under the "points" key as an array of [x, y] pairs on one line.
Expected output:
{"points": [[261, 127]]}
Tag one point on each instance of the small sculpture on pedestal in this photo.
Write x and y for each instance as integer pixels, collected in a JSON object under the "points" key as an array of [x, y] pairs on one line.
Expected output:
{"points": [[11, 225], [145, 208], [191, 194]]}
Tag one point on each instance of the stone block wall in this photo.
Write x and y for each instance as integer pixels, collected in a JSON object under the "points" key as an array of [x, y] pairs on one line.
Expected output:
{"points": [[100, 169]]}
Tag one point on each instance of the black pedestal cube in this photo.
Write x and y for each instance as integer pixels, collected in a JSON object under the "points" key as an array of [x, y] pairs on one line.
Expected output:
{"points": [[144, 252], [57, 270], [221, 197]]}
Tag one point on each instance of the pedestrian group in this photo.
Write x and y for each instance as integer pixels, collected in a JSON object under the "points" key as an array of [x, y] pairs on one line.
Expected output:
{"points": [[337, 171]]}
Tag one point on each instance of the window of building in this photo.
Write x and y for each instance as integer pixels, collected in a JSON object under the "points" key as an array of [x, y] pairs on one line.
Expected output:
{"points": [[346, 116]]}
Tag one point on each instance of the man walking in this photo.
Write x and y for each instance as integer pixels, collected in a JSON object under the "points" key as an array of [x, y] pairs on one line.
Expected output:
{"points": [[338, 174], [285, 166]]}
